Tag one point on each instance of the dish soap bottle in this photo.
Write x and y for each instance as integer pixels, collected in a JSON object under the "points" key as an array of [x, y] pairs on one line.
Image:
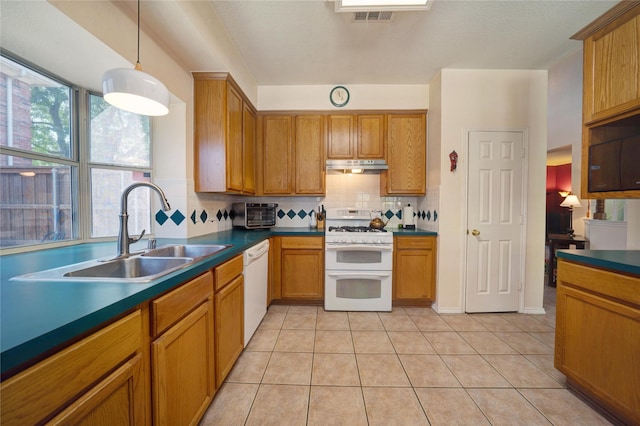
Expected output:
{"points": [[313, 222]]}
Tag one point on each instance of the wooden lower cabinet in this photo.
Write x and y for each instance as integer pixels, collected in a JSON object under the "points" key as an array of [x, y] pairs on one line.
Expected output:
{"points": [[598, 336], [414, 270], [301, 268], [93, 381], [229, 316], [183, 380]]}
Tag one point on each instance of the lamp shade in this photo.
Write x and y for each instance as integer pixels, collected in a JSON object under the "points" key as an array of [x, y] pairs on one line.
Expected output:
{"points": [[571, 201], [135, 91]]}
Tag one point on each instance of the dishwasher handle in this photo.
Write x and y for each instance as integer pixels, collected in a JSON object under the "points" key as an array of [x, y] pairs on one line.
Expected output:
{"points": [[254, 253]]}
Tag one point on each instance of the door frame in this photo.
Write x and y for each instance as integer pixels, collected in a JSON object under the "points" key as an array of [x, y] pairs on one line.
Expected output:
{"points": [[465, 210]]}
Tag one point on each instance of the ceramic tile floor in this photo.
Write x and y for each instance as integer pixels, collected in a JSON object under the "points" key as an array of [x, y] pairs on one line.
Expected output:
{"points": [[305, 366]]}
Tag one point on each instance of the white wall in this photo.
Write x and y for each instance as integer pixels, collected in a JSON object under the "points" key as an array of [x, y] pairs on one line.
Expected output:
{"points": [[392, 96], [489, 100], [565, 121]]}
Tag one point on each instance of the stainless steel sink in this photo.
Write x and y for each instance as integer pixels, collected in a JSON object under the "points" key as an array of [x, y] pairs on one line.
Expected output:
{"points": [[133, 269], [193, 251], [149, 266]]}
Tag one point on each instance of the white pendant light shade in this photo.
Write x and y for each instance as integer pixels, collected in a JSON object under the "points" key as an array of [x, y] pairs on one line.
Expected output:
{"points": [[135, 91]]}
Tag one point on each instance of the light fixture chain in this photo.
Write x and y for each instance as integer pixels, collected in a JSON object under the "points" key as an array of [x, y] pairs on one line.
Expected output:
{"points": [[138, 57]]}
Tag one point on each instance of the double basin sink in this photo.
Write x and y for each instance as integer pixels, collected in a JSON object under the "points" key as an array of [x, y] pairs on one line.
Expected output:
{"points": [[144, 267]]}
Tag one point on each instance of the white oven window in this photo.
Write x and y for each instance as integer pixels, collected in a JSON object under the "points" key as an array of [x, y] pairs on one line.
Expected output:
{"points": [[358, 288], [355, 256]]}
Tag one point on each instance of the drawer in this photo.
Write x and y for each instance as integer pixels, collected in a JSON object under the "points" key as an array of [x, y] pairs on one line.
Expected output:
{"points": [[427, 243], [168, 309], [302, 243], [30, 396], [226, 272]]}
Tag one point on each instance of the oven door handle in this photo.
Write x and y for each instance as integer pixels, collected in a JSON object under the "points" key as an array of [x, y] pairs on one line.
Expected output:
{"points": [[364, 275], [358, 247]]}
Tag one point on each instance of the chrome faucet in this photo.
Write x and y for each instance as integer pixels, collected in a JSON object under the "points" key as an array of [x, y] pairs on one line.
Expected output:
{"points": [[124, 241]]}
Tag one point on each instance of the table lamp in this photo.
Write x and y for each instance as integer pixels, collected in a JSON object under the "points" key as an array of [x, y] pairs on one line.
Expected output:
{"points": [[570, 202]]}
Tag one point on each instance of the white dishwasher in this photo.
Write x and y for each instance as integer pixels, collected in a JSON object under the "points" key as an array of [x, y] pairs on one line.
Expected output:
{"points": [[256, 270]]}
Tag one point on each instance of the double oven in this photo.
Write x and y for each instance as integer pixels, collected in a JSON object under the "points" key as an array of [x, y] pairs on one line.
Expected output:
{"points": [[358, 262]]}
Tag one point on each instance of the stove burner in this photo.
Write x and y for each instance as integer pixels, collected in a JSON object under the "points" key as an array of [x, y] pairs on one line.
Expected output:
{"points": [[354, 229]]}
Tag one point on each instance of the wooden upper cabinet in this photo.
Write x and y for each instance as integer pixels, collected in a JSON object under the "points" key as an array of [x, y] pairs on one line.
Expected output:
{"points": [[370, 140], [277, 154], [358, 136], [406, 155], [341, 135], [291, 154], [611, 101], [612, 65], [249, 144], [233, 146], [309, 148], [221, 135]]}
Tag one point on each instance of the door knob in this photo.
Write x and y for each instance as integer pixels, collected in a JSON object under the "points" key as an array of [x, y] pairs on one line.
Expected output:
{"points": [[475, 232]]}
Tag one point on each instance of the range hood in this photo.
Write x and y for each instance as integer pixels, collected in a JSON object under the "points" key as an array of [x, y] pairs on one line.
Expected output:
{"points": [[356, 166]]}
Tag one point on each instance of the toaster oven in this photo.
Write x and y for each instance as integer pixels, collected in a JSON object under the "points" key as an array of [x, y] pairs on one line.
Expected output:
{"points": [[254, 215]]}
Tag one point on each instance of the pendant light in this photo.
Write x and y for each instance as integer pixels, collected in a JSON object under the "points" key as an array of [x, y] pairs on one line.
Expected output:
{"points": [[134, 90]]}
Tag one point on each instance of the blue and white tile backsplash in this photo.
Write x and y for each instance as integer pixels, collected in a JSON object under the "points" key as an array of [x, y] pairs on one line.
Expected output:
{"points": [[199, 214]]}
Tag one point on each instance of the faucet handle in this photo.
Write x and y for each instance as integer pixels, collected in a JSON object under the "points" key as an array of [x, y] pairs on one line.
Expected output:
{"points": [[135, 240]]}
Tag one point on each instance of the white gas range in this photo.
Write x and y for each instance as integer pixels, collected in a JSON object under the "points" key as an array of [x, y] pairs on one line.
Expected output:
{"points": [[358, 262]]}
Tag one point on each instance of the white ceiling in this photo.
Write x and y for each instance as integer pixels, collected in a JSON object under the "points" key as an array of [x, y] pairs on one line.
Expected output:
{"points": [[286, 42]]}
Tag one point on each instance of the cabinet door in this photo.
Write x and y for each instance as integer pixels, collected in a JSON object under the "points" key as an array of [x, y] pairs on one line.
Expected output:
{"points": [[229, 326], [413, 275], [209, 135], [249, 145], [183, 369], [612, 69], [414, 269], [234, 140], [309, 156], [598, 346], [277, 152], [370, 140], [113, 401], [302, 274], [341, 136], [406, 155]]}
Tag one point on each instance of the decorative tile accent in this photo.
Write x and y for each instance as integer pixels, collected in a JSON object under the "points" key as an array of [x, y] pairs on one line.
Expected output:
{"points": [[291, 214], [281, 214], [435, 215], [161, 217], [226, 215], [428, 216], [388, 214], [193, 217], [203, 216], [177, 217], [219, 215], [302, 214]]}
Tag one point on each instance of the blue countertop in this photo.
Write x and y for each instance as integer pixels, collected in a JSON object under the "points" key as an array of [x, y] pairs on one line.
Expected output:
{"points": [[624, 261], [417, 232], [38, 316]]}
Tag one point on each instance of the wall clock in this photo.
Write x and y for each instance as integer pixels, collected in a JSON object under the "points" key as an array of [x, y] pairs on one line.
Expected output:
{"points": [[339, 96]]}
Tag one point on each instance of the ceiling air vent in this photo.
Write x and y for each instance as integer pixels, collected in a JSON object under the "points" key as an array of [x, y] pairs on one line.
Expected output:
{"points": [[385, 16]]}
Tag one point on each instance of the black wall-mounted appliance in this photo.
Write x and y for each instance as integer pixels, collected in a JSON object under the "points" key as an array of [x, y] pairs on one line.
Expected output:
{"points": [[615, 165]]}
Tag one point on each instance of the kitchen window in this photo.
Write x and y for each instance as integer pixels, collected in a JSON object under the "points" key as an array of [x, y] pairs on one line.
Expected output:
{"points": [[119, 155], [60, 181]]}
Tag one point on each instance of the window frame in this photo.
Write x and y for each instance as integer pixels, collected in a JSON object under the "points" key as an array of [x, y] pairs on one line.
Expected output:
{"points": [[80, 151]]}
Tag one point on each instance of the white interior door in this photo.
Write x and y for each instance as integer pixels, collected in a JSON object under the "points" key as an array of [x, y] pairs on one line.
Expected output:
{"points": [[494, 221]]}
